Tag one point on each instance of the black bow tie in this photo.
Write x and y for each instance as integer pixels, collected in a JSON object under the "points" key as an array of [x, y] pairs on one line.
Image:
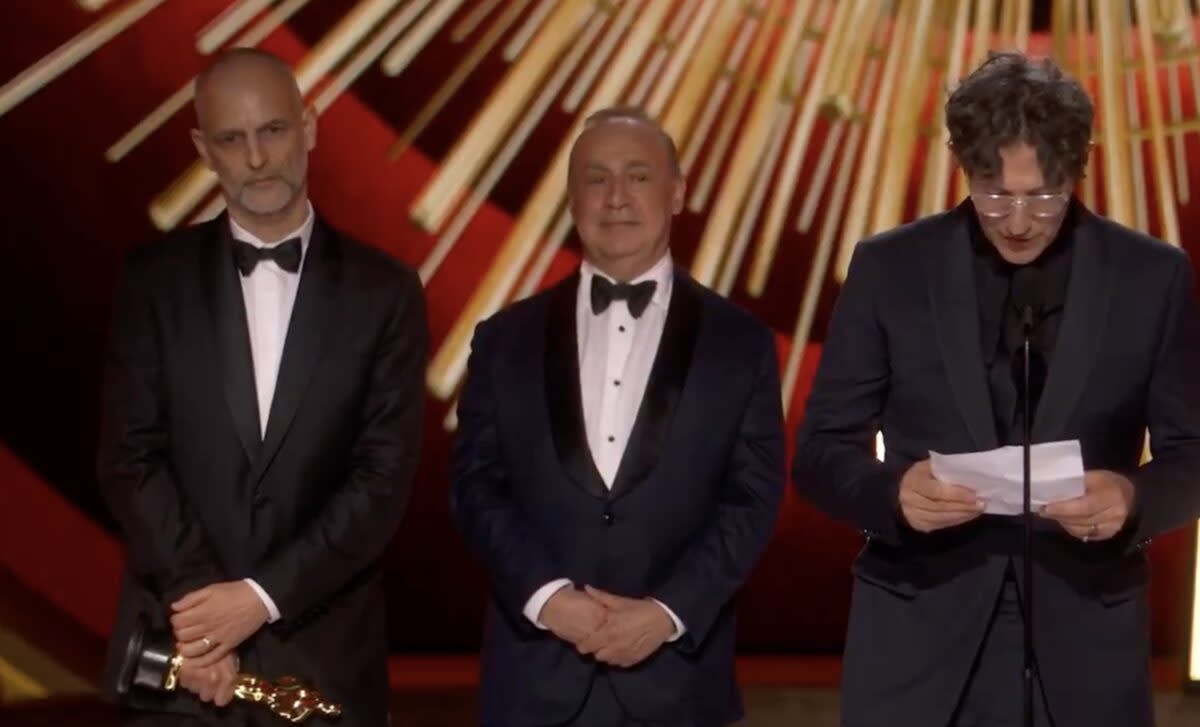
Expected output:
{"points": [[285, 254], [636, 296]]}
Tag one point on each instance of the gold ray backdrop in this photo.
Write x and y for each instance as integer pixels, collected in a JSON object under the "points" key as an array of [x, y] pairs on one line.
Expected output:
{"points": [[742, 86]]}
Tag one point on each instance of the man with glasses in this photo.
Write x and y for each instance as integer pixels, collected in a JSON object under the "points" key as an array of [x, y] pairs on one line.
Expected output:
{"points": [[925, 345]]}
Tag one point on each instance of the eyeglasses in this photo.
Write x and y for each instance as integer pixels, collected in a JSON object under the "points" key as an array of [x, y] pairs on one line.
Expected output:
{"points": [[1002, 205]]}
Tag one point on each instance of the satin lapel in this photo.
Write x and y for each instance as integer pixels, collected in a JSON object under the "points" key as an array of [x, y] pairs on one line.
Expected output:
{"points": [[228, 318], [563, 396], [315, 307], [956, 312], [664, 387], [1084, 314]]}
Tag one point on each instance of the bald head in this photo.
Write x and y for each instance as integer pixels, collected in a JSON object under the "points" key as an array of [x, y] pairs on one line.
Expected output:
{"points": [[254, 132], [634, 117], [625, 187], [239, 69]]}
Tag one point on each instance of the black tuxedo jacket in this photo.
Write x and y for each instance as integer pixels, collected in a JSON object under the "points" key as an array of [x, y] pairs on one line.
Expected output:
{"points": [[692, 505], [903, 356], [307, 511]]}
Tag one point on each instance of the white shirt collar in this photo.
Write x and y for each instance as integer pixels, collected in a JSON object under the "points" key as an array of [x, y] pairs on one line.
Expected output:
{"points": [[304, 232], [663, 273]]}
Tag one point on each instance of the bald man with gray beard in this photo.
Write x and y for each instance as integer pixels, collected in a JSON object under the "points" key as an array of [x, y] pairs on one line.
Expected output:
{"points": [[261, 423]]}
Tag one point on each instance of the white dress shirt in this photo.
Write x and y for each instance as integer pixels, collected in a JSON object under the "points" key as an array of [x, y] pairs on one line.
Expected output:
{"points": [[616, 352], [269, 292]]}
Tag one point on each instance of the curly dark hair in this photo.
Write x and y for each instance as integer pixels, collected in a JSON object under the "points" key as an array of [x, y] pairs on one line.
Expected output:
{"points": [[1012, 98]]}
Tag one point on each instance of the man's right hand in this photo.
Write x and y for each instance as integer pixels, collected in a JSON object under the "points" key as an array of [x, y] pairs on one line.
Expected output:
{"points": [[928, 504], [213, 684], [572, 615]]}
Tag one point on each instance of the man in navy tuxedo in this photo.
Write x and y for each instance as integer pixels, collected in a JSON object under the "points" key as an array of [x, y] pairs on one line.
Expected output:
{"points": [[619, 464]]}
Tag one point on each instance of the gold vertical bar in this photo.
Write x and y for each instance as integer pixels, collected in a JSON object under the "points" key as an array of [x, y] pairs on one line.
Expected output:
{"points": [[764, 173], [523, 35], [981, 34], [772, 228], [467, 25], [715, 98], [938, 170], [489, 126], [1137, 162], [587, 76], [1082, 39], [364, 57], [750, 147], [230, 21], [1023, 20], [537, 271], [513, 142], [398, 58], [1179, 15], [1194, 61], [682, 53], [457, 77], [1164, 189], [981, 42], [845, 76], [866, 178], [704, 66], [902, 137], [819, 271], [64, 57], [652, 71], [1060, 30], [1118, 204], [1007, 22], [736, 179]]}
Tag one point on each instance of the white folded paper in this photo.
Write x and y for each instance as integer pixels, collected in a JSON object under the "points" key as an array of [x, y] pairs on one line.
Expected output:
{"points": [[998, 475]]}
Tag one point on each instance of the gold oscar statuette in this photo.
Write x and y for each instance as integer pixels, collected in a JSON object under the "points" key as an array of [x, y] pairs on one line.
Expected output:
{"points": [[151, 663]]}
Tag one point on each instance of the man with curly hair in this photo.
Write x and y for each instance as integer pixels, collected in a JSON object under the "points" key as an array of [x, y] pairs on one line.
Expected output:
{"points": [[926, 346]]}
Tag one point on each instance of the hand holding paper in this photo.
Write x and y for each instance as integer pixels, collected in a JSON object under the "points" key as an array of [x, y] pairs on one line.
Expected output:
{"points": [[929, 505], [1101, 512], [997, 476]]}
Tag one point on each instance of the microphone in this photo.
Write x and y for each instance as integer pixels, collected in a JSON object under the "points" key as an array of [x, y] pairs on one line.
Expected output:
{"points": [[1027, 290], [1029, 373]]}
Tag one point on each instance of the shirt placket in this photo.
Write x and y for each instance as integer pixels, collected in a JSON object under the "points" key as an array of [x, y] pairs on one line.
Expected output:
{"points": [[620, 337]]}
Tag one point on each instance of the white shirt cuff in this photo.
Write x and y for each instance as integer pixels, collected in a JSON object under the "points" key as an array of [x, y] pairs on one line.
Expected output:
{"points": [[272, 611], [533, 607], [680, 630]]}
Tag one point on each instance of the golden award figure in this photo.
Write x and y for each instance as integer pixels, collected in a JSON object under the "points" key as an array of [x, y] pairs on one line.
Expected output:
{"points": [[151, 663]]}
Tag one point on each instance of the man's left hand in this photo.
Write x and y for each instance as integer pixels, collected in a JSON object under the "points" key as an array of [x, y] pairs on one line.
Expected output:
{"points": [[1100, 512], [215, 620], [635, 629]]}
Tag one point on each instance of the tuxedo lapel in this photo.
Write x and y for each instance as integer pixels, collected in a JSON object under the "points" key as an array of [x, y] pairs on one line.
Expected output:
{"points": [[955, 306], [1084, 314], [664, 387], [563, 396], [313, 309], [228, 319]]}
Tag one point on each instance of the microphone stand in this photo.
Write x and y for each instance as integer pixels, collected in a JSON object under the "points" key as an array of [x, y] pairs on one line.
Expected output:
{"points": [[1027, 601]]}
